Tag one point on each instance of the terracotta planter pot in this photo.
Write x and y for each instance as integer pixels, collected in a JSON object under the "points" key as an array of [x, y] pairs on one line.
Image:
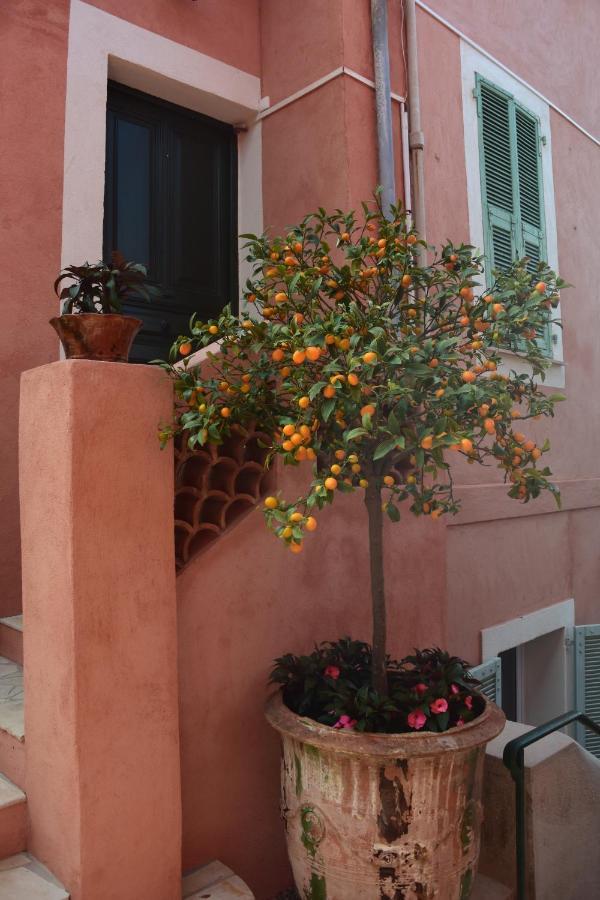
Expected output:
{"points": [[379, 816], [96, 336]]}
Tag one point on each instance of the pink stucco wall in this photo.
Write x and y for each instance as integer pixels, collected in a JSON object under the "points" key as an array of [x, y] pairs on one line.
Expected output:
{"points": [[244, 600], [33, 44]]}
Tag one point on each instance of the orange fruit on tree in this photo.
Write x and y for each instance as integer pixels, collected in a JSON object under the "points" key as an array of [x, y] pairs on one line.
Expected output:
{"points": [[285, 371], [290, 261], [490, 426], [340, 454], [288, 429], [369, 357], [313, 353], [277, 354], [304, 402], [287, 446], [296, 548], [466, 445], [367, 410], [296, 517], [271, 502], [353, 379], [329, 339], [363, 483], [298, 357], [335, 469], [468, 376], [280, 297], [406, 280], [185, 348], [529, 446], [296, 438], [330, 484], [311, 524], [225, 412], [540, 287], [329, 391], [427, 442], [536, 453], [388, 480]]}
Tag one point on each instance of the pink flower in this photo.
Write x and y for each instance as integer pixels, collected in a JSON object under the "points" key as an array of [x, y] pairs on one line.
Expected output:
{"points": [[421, 688], [417, 719], [439, 706], [345, 722], [460, 722], [454, 689], [469, 702], [332, 672]]}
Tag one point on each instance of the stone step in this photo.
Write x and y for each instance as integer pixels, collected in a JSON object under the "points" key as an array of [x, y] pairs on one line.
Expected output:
{"points": [[214, 881], [13, 818], [22, 877], [12, 725], [11, 638], [485, 888]]}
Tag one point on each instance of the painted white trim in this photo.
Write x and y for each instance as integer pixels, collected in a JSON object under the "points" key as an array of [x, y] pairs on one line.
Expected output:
{"points": [[519, 631], [473, 62], [513, 75], [267, 110], [103, 46], [525, 628]]}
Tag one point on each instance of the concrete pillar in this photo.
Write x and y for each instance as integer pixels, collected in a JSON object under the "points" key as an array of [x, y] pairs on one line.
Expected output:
{"points": [[101, 718]]}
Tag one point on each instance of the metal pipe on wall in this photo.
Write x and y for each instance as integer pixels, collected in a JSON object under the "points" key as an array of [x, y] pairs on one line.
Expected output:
{"points": [[416, 137], [383, 102]]}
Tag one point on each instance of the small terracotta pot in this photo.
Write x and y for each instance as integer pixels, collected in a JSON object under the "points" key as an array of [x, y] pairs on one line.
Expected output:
{"points": [[372, 816], [96, 336]]}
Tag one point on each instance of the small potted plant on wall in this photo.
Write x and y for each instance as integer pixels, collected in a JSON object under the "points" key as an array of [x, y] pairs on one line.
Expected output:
{"points": [[92, 324], [374, 373]]}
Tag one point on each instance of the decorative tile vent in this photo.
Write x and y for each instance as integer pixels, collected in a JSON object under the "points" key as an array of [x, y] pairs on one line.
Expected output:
{"points": [[214, 487]]}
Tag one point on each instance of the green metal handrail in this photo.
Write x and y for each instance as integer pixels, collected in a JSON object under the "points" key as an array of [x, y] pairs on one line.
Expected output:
{"points": [[514, 760]]}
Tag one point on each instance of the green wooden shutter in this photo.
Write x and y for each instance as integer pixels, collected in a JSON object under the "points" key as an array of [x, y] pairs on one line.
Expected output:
{"points": [[489, 673], [587, 682], [497, 176], [511, 184], [531, 199]]}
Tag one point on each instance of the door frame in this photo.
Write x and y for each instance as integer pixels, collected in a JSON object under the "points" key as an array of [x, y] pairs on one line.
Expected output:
{"points": [[103, 47]]}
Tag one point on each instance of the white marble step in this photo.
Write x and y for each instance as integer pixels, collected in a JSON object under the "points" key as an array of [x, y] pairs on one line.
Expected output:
{"points": [[11, 699], [14, 622], [23, 878], [214, 881]]}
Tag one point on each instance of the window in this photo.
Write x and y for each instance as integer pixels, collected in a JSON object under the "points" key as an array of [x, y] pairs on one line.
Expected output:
{"points": [[511, 183], [170, 202]]}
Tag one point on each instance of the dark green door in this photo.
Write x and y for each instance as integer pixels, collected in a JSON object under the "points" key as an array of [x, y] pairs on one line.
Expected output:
{"points": [[170, 203]]}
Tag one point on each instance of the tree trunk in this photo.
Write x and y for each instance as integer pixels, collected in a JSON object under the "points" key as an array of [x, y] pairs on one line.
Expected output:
{"points": [[375, 513]]}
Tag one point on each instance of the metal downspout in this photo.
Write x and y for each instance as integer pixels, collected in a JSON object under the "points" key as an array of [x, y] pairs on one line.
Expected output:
{"points": [[416, 138], [383, 102]]}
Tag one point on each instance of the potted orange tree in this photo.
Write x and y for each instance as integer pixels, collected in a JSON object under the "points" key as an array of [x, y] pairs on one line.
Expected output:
{"points": [[374, 373], [92, 324]]}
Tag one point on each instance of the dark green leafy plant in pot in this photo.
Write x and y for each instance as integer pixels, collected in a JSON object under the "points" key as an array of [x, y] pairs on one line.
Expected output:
{"points": [[92, 324]]}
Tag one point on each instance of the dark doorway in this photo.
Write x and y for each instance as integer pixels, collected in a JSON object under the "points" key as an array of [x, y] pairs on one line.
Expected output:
{"points": [[170, 203], [509, 683]]}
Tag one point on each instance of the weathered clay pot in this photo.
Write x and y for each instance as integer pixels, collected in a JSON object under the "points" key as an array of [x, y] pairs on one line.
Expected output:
{"points": [[96, 336], [380, 816]]}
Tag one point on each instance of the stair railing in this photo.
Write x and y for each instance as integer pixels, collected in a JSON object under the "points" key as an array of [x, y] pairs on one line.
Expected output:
{"points": [[514, 760]]}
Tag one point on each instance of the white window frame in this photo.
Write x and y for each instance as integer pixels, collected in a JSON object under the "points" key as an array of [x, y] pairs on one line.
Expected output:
{"points": [[102, 47], [472, 62]]}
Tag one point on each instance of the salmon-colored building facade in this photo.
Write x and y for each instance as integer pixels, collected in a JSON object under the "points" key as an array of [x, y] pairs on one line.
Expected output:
{"points": [[502, 583]]}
